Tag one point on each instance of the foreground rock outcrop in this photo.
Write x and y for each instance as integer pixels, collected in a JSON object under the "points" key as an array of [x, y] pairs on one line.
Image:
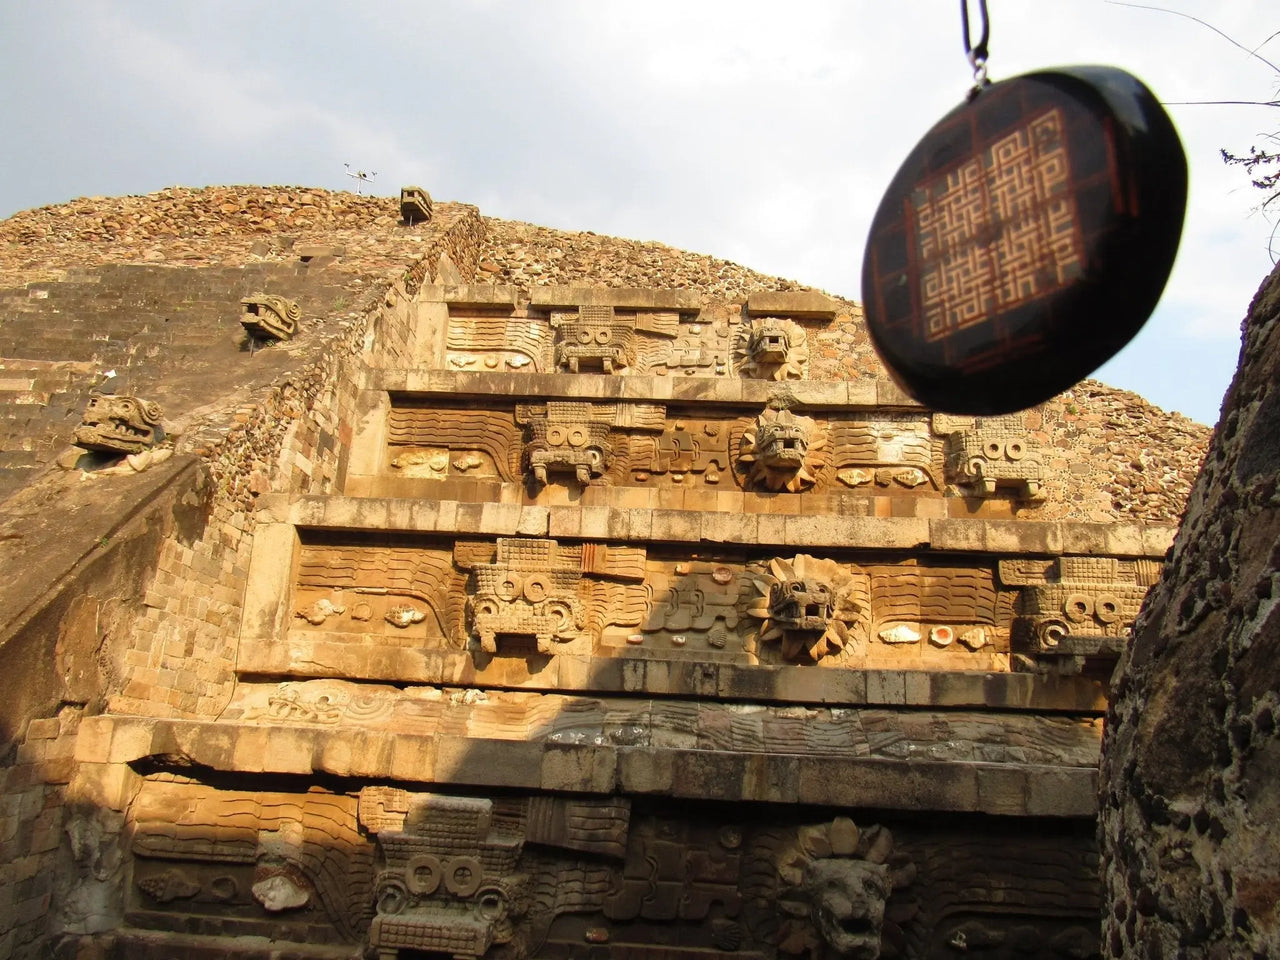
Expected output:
{"points": [[1190, 818]]}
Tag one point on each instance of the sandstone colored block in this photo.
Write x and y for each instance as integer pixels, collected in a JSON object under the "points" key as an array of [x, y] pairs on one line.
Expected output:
{"points": [[93, 739], [131, 740], [413, 759], [267, 592], [288, 750], [624, 297], [791, 303], [497, 763]]}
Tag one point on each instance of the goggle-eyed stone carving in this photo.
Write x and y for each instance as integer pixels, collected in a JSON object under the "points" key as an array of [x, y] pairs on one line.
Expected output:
{"points": [[115, 423], [1078, 606], [996, 452], [528, 590], [595, 340]]}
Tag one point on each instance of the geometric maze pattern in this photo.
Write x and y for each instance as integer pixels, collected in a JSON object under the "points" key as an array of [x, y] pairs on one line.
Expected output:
{"points": [[998, 231]]}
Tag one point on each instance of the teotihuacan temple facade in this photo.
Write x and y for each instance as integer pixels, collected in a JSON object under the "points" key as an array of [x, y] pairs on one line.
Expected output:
{"points": [[403, 582]]}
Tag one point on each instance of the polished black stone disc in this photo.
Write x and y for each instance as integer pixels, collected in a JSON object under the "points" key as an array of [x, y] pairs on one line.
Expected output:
{"points": [[1025, 240]]}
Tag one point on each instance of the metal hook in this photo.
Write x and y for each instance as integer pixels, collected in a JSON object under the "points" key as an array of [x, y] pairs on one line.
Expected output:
{"points": [[976, 54]]}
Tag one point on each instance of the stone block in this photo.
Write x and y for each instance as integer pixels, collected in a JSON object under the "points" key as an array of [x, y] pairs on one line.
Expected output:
{"points": [[93, 739], [500, 519], [645, 770], [887, 687], [630, 298], [771, 778], [131, 740], [564, 522], [413, 759], [1062, 792], [1002, 790], [595, 523], [533, 521], [676, 525], [791, 303], [708, 775], [579, 768], [288, 750], [491, 763], [267, 591]]}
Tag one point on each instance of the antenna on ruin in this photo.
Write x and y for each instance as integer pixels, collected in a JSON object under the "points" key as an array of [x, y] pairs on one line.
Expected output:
{"points": [[360, 177]]}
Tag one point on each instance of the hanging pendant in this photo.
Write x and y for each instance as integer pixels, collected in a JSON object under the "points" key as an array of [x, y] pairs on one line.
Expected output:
{"points": [[1025, 239]]}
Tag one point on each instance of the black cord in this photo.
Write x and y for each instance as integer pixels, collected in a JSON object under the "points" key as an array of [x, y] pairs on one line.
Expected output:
{"points": [[977, 55]]}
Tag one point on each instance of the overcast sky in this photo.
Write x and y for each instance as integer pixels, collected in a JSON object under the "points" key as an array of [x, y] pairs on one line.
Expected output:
{"points": [[762, 132]]}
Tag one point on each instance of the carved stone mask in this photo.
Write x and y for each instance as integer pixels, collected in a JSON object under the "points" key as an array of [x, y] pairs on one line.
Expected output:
{"points": [[847, 899], [769, 344], [804, 604], [784, 440]]}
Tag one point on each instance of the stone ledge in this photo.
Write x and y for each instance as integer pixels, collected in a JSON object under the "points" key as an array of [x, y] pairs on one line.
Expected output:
{"points": [[811, 395], [335, 656], [632, 298], [795, 303], [630, 524], [916, 785], [471, 295]]}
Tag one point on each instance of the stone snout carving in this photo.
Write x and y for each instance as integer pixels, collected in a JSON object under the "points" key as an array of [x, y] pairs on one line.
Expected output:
{"points": [[415, 205], [814, 608], [1078, 606], [596, 339], [266, 316], [996, 452], [772, 348], [781, 451], [119, 424]]}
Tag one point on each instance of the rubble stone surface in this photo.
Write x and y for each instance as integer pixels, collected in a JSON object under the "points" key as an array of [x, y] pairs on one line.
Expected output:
{"points": [[1190, 801]]}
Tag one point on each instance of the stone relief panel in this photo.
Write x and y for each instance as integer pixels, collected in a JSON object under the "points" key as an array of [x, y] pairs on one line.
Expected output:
{"points": [[441, 442], [775, 450], [279, 865], [993, 453], [119, 424], [887, 451], [520, 596], [716, 341], [549, 876], [576, 437], [267, 316], [1004, 897], [622, 721], [1075, 607], [514, 875]]}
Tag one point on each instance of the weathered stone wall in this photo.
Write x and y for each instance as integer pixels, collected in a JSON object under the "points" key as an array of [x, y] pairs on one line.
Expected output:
{"points": [[1116, 457], [145, 623], [1190, 822]]}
